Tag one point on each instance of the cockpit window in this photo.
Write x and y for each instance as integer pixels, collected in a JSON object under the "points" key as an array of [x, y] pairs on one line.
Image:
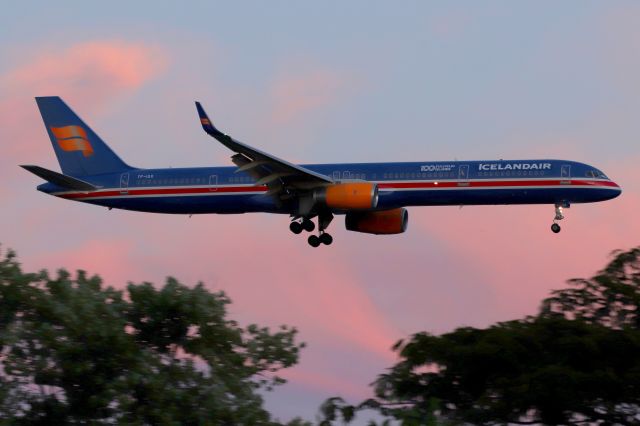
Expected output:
{"points": [[596, 174]]}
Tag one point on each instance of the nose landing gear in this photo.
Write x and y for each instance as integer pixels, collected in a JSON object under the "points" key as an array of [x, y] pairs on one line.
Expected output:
{"points": [[555, 228]]}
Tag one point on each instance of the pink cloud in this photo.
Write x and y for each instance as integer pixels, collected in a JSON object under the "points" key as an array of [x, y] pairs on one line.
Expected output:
{"points": [[329, 384], [295, 95], [87, 75], [108, 258], [86, 71], [322, 297]]}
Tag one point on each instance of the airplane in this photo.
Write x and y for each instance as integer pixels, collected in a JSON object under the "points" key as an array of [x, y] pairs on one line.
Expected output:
{"points": [[373, 197]]}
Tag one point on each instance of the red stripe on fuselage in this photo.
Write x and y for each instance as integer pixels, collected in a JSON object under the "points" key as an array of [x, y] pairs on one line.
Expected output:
{"points": [[492, 184], [166, 191], [382, 185]]}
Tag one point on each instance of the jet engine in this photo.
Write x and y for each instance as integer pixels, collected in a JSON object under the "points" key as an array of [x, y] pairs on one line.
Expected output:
{"points": [[348, 196], [384, 222]]}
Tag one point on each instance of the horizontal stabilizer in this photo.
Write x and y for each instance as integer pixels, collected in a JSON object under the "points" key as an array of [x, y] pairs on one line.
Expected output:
{"points": [[60, 179]]}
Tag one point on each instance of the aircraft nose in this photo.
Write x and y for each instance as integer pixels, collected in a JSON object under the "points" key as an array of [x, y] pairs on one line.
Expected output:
{"points": [[616, 189]]}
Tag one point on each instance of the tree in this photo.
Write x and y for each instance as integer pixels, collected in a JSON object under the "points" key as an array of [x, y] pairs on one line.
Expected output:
{"points": [[577, 362], [540, 370], [610, 298], [74, 351]]}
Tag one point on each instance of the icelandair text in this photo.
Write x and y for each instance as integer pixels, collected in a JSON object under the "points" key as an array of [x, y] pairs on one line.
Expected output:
{"points": [[514, 166]]}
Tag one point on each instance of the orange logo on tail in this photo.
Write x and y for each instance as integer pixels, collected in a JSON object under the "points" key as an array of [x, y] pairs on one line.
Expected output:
{"points": [[73, 138]]}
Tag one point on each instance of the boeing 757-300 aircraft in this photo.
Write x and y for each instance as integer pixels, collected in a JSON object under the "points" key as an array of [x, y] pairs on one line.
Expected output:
{"points": [[372, 196]]}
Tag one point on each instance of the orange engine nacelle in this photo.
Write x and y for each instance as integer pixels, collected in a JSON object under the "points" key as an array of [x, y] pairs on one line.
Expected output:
{"points": [[349, 196], [381, 223]]}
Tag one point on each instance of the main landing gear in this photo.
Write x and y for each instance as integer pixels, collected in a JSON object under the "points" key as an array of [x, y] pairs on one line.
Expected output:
{"points": [[559, 216], [305, 224], [323, 238]]}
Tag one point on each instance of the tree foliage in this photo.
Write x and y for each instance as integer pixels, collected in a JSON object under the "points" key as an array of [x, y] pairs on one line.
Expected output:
{"points": [[74, 351], [577, 362], [610, 298]]}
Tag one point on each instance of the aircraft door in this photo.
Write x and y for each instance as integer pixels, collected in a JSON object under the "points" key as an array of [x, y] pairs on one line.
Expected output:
{"points": [[124, 183], [565, 174], [463, 175], [213, 183]]}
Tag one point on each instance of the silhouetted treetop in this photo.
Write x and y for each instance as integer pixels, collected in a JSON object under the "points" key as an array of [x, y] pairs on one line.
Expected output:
{"points": [[576, 363], [611, 298], [74, 351]]}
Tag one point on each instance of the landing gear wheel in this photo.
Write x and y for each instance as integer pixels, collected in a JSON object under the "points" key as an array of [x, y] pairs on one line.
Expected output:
{"points": [[555, 228], [295, 227], [308, 225], [313, 241], [326, 239]]}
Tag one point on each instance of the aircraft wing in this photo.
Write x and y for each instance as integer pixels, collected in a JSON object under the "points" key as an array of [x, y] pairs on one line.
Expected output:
{"points": [[279, 175]]}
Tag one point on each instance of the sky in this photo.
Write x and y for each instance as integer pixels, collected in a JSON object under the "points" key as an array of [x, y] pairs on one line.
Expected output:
{"points": [[359, 81]]}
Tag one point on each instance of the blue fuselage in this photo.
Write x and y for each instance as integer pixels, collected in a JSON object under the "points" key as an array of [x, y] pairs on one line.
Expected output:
{"points": [[222, 190]]}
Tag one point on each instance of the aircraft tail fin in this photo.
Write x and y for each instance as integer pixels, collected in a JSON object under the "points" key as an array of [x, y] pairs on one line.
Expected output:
{"points": [[79, 149], [60, 179]]}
